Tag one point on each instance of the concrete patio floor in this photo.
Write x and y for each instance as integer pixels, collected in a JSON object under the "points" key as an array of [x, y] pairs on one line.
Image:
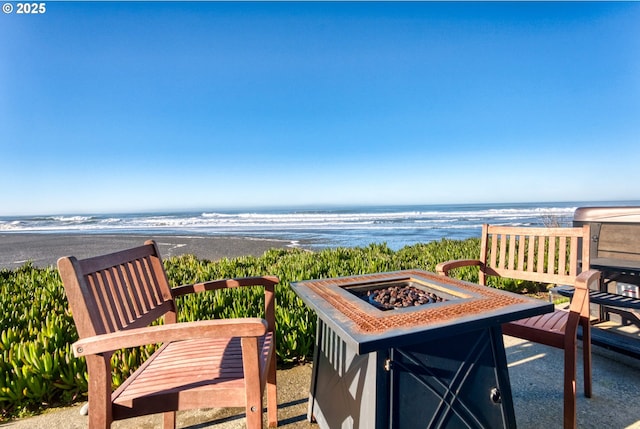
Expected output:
{"points": [[535, 372]]}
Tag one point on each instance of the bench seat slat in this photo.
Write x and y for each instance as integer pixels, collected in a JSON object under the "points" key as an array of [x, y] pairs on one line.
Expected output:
{"points": [[168, 377], [546, 329]]}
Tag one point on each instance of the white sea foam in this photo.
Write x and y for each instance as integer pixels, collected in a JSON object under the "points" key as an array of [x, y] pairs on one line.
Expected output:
{"points": [[347, 226]]}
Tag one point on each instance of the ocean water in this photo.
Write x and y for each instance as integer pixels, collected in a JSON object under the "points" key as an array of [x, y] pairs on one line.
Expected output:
{"points": [[397, 226]]}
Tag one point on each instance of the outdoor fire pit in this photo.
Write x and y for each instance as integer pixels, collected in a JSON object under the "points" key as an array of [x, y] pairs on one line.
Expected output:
{"points": [[411, 349]]}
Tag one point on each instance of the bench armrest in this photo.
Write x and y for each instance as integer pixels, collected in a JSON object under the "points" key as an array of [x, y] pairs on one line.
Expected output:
{"points": [[589, 279], [220, 328], [443, 268], [266, 281]]}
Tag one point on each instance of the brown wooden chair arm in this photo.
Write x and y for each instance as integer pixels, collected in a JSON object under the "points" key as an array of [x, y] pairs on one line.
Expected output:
{"points": [[219, 328], [266, 281], [443, 268], [589, 279], [579, 308]]}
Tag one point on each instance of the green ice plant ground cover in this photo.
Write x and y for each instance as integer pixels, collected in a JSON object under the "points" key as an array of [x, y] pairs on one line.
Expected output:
{"points": [[37, 366]]}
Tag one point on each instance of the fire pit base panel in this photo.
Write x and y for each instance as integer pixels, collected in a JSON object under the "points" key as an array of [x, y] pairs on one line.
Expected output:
{"points": [[345, 386], [453, 382]]}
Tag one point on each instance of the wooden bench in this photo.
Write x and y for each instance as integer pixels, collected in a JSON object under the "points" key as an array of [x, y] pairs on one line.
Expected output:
{"points": [[208, 364], [546, 255]]}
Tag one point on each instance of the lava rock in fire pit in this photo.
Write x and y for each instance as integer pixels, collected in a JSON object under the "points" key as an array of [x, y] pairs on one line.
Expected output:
{"points": [[400, 297]]}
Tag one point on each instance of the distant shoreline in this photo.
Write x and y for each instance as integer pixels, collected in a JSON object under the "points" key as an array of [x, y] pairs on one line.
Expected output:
{"points": [[44, 249], [330, 227], [216, 234]]}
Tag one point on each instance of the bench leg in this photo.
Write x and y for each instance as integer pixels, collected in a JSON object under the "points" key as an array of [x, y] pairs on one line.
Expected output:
{"points": [[253, 391], [570, 385], [100, 409], [272, 397], [586, 357]]}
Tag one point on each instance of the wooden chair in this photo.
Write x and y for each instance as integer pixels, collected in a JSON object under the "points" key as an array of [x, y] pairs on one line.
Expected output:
{"points": [[546, 255], [206, 364]]}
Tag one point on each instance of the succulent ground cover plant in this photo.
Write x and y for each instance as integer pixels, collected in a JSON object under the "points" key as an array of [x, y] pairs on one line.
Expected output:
{"points": [[37, 366]]}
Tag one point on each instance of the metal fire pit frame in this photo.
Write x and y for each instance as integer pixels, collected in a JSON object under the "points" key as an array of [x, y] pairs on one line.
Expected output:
{"points": [[367, 329], [439, 365]]}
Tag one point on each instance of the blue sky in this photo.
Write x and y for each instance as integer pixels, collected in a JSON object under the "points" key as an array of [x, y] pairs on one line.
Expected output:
{"points": [[116, 107]]}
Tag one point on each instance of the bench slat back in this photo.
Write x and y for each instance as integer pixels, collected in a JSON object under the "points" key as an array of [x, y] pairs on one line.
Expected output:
{"points": [[122, 290], [546, 255]]}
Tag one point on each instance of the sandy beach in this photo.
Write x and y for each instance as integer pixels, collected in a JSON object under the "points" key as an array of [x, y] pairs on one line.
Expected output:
{"points": [[45, 249]]}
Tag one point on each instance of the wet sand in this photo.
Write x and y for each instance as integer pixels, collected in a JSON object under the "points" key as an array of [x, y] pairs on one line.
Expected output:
{"points": [[45, 249]]}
